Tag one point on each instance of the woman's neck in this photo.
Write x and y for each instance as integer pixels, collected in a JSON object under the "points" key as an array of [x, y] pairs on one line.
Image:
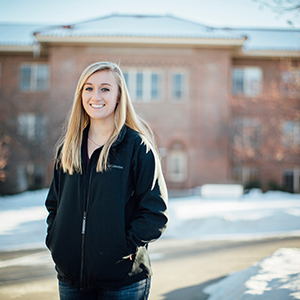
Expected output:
{"points": [[100, 132]]}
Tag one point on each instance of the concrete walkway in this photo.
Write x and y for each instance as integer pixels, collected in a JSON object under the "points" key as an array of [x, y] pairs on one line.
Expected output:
{"points": [[181, 268]]}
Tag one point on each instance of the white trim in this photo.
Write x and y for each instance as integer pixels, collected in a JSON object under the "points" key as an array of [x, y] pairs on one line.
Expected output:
{"points": [[265, 53], [16, 48], [146, 84], [142, 40]]}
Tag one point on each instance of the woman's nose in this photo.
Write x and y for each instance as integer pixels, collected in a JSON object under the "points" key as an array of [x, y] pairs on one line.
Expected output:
{"points": [[97, 95]]}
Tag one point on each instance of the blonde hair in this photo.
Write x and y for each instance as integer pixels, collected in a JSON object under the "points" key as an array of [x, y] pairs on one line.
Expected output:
{"points": [[69, 157]]}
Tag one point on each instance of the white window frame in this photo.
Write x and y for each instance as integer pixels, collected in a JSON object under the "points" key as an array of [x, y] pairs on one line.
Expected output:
{"points": [[147, 85], [177, 165], [34, 79], [248, 88], [242, 127], [31, 126], [290, 80], [291, 136]]}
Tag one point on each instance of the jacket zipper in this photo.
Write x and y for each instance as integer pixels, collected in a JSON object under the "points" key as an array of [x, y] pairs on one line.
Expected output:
{"points": [[83, 227]]}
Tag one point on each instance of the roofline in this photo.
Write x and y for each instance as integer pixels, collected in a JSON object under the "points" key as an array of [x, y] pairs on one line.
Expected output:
{"points": [[17, 48], [137, 16], [257, 29], [141, 40], [266, 53]]}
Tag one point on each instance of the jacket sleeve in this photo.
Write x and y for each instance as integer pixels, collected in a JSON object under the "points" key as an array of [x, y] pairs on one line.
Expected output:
{"points": [[152, 197], [52, 202]]}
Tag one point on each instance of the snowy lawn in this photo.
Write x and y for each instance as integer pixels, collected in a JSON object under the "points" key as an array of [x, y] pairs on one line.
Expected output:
{"points": [[256, 215], [274, 278]]}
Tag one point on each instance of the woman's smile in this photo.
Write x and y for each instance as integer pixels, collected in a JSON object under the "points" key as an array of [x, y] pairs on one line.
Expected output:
{"points": [[97, 105]]}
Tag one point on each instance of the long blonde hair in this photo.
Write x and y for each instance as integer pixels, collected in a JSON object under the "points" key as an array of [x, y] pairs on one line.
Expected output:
{"points": [[69, 157]]}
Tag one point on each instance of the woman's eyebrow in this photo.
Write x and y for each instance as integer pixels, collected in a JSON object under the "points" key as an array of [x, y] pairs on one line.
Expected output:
{"points": [[104, 83]]}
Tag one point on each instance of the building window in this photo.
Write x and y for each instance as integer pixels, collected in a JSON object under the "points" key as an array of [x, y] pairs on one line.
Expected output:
{"points": [[30, 176], [32, 127], [34, 77], [143, 86], [246, 133], [291, 133], [290, 82], [139, 85], [245, 174], [288, 180], [177, 163], [291, 180], [246, 81], [178, 86]]}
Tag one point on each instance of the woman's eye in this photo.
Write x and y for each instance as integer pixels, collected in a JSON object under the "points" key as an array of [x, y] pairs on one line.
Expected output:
{"points": [[88, 89], [105, 90]]}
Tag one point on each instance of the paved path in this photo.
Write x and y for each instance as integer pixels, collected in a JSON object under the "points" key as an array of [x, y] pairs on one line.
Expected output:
{"points": [[181, 268]]}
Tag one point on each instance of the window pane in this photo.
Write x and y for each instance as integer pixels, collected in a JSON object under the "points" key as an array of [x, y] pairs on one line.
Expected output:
{"points": [[237, 81], [246, 81], [27, 125], [42, 78], [177, 165], [288, 180], [155, 86], [291, 133], [177, 86], [126, 78], [139, 85], [246, 133], [40, 128], [252, 79], [25, 78]]}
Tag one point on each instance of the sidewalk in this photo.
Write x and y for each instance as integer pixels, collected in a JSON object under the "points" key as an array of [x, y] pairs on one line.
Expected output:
{"points": [[181, 268]]}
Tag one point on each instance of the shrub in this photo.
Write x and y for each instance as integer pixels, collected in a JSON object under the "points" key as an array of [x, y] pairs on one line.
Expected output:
{"points": [[273, 186], [253, 184]]}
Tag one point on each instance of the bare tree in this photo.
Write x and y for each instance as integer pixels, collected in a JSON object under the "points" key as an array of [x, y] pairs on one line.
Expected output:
{"points": [[266, 129], [4, 155], [283, 7]]}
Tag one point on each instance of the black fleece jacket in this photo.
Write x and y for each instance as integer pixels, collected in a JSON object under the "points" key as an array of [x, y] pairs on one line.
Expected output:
{"points": [[100, 223]]}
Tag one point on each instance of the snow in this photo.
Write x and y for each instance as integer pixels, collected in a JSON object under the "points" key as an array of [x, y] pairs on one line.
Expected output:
{"points": [[254, 215], [22, 221], [274, 278]]}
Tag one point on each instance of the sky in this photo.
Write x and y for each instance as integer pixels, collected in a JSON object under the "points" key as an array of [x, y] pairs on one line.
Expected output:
{"points": [[218, 13]]}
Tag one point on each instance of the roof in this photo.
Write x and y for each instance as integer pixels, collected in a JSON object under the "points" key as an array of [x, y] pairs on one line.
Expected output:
{"points": [[270, 39], [18, 34], [147, 27], [139, 26]]}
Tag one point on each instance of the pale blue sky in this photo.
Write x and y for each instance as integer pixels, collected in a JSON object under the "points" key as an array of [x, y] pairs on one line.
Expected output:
{"points": [[234, 13]]}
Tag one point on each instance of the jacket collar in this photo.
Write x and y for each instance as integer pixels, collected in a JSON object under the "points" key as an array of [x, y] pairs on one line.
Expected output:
{"points": [[85, 137]]}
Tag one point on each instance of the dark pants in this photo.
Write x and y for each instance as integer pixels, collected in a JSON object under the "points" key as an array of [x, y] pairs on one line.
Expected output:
{"points": [[137, 291]]}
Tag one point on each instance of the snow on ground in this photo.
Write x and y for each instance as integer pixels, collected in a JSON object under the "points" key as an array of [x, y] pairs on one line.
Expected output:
{"points": [[22, 220], [255, 215], [274, 278]]}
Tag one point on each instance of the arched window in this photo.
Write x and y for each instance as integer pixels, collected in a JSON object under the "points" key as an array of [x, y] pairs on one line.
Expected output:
{"points": [[177, 163]]}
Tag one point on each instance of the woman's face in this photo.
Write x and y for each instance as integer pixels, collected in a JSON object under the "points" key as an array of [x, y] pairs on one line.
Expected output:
{"points": [[100, 96]]}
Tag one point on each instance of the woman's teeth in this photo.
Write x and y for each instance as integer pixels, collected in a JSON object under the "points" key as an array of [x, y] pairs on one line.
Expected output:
{"points": [[97, 105]]}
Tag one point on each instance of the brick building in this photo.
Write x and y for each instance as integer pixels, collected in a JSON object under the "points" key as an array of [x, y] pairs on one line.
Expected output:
{"points": [[223, 103]]}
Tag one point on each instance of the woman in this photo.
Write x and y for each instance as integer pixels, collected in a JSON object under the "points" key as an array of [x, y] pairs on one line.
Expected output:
{"points": [[108, 197]]}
